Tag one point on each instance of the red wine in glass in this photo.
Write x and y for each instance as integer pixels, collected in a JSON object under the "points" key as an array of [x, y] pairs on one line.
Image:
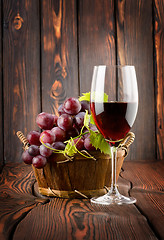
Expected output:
{"points": [[114, 119]]}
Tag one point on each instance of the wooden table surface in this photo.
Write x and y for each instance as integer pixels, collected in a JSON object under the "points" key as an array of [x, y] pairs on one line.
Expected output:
{"points": [[24, 214]]}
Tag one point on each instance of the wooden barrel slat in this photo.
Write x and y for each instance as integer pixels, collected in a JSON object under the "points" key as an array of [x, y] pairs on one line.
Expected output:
{"points": [[81, 174]]}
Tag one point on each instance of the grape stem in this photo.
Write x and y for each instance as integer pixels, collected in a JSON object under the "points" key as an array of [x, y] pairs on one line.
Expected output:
{"points": [[80, 135], [71, 143], [54, 150]]}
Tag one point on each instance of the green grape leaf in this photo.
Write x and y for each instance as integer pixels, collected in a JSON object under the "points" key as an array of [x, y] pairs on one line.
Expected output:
{"points": [[94, 139], [85, 97], [70, 148], [99, 142]]}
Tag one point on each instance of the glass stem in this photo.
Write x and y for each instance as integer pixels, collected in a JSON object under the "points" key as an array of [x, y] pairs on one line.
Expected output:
{"points": [[113, 189]]}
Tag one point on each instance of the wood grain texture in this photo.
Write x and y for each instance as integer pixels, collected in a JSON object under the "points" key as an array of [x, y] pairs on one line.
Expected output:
{"points": [[145, 176], [26, 216], [1, 90], [16, 197], [21, 71], [152, 207], [135, 47], [96, 38], [148, 188], [59, 53], [75, 219], [78, 219], [159, 74]]}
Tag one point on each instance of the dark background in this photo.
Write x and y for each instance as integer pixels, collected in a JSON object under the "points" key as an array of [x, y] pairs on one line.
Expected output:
{"points": [[47, 52]]}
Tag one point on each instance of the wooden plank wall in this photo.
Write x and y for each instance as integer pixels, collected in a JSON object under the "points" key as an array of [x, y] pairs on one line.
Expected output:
{"points": [[96, 38], [159, 74], [48, 49], [21, 71], [135, 47], [59, 59], [1, 92]]}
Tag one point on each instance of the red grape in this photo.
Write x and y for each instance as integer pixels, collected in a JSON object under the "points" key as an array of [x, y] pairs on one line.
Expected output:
{"points": [[45, 120], [79, 119], [88, 145], [72, 133], [60, 109], [26, 157], [55, 119], [65, 122], [39, 161], [45, 151], [79, 143], [47, 137], [72, 106], [58, 145], [85, 106], [33, 150], [33, 138], [59, 133]]}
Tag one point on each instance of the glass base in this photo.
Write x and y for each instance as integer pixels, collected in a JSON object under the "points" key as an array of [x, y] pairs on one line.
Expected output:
{"points": [[109, 199]]}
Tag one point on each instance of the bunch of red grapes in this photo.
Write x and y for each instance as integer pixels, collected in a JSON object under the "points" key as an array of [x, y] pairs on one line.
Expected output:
{"points": [[56, 130]]}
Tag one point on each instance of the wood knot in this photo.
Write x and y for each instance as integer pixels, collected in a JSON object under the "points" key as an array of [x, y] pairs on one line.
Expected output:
{"points": [[57, 90], [18, 22]]}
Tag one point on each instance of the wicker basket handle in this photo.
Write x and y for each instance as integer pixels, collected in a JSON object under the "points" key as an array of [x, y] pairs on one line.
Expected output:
{"points": [[126, 142], [23, 140]]}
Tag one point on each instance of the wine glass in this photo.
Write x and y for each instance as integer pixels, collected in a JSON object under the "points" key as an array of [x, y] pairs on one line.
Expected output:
{"points": [[114, 104]]}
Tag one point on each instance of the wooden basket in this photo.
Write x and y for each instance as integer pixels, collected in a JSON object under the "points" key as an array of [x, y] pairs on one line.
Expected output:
{"points": [[79, 177]]}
